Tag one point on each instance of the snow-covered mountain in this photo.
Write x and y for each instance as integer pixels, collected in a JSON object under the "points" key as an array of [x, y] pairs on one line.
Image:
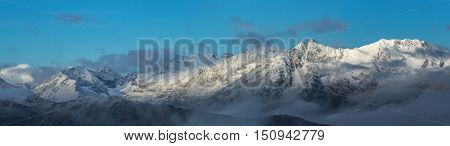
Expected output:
{"points": [[74, 82], [263, 82], [110, 78], [310, 71]]}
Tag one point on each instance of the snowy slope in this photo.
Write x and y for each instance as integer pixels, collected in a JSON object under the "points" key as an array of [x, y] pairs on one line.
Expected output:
{"points": [[200, 82], [59, 88], [74, 82]]}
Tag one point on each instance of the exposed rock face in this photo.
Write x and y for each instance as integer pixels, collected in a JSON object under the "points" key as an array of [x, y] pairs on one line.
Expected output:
{"points": [[110, 78]]}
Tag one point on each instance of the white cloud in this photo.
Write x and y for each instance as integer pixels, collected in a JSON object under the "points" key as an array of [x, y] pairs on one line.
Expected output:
{"points": [[25, 74], [19, 74], [414, 100], [408, 99]]}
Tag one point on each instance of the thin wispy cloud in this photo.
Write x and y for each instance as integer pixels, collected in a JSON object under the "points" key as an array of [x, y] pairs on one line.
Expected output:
{"points": [[26, 74], [68, 17], [241, 24], [121, 62], [327, 26], [319, 26], [126, 62], [316, 26], [75, 18]]}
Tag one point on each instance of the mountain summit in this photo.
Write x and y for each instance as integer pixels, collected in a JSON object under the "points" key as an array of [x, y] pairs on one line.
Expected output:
{"points": [[109, 77], [78, 81]]}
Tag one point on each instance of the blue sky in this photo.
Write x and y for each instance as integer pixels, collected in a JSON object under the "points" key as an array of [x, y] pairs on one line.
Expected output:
{"points": [[56, 32]]}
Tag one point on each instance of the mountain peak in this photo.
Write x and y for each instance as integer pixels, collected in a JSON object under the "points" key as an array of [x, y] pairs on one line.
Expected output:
{"points": [[75, 70], [80, 73], [308, 44], [312, 42], [79, 81], [74, 81], [106, 69], [60, 88], [109, 77], [411, 43]]}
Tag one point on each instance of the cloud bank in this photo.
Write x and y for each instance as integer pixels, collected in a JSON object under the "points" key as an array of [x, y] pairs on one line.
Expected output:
{"points": [[420, 99], [127, 62], [240, 23], [19, 74], [319, 26], [25, 74]]}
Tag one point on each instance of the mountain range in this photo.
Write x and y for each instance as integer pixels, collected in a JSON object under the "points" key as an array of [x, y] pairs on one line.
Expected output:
{"points": [[310, 71], [260, 80]]}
